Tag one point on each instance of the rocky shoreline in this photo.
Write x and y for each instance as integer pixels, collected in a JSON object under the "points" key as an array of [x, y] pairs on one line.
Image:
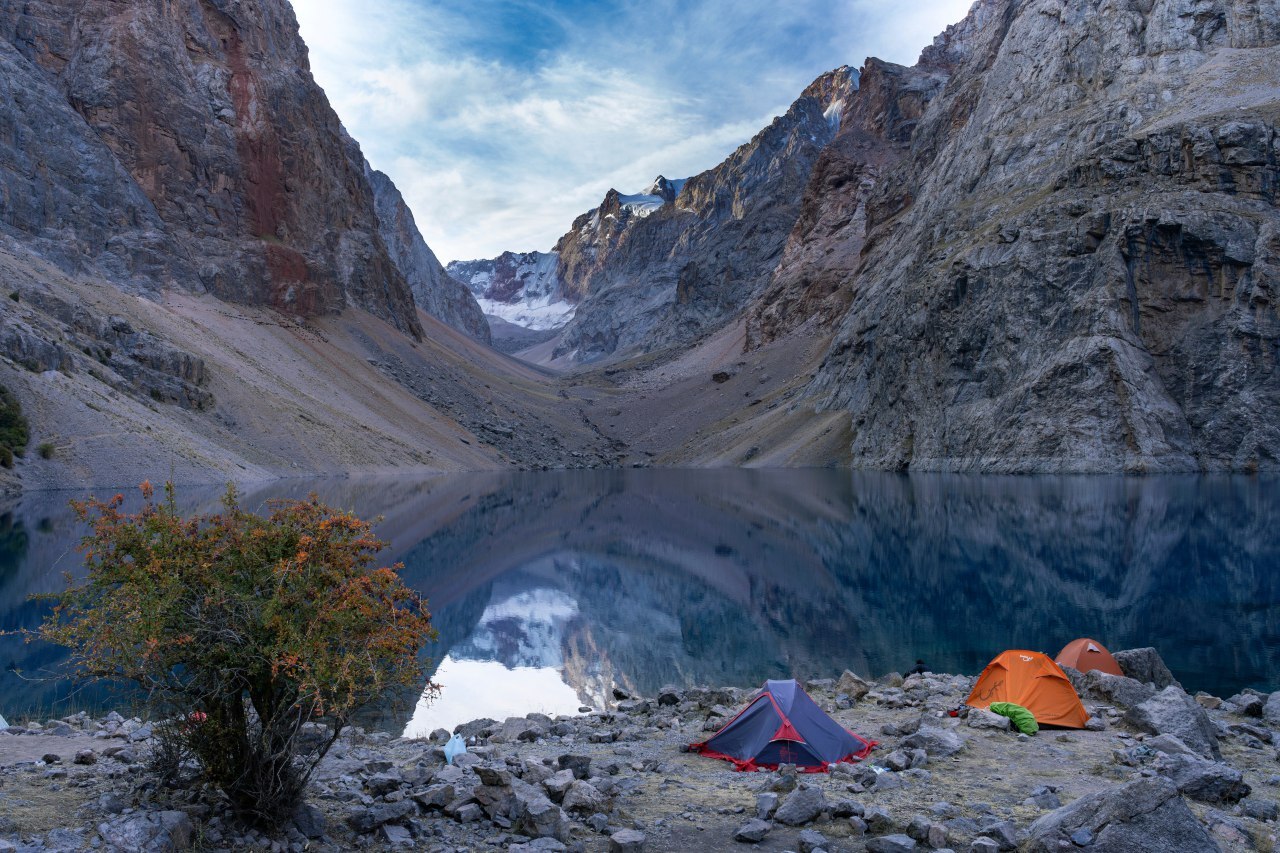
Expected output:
{"points": [[1157, 769]]}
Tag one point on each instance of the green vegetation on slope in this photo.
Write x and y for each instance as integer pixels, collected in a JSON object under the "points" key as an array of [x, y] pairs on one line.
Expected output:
{"points": [[14, 433]]}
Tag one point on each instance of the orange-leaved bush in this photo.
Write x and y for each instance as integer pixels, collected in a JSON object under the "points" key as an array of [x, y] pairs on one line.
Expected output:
{"points": [[255, 637]]}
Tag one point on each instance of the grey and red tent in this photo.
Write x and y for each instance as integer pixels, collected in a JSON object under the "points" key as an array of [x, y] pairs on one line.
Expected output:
{"points": [[783, 725]]}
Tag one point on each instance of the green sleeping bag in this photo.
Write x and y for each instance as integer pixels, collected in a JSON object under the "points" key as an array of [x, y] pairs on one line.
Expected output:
{"points": [[1021, 717]]}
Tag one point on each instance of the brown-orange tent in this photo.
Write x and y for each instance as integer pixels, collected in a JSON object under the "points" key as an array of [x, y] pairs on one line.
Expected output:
{"points": [[1033, 681], [1085, 654]]}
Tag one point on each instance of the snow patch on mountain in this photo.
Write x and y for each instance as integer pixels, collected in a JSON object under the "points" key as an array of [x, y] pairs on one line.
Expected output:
{"points": [[537, 314], [520, 288]]}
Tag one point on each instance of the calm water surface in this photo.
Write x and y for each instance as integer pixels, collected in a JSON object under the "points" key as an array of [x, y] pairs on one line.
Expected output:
{"points": [[550, 588]]}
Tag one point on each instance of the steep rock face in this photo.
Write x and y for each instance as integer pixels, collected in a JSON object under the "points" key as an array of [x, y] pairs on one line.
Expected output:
{"points": [[669, 264], [206, 141], [434, 290], [825, 244], [1073, 268]]}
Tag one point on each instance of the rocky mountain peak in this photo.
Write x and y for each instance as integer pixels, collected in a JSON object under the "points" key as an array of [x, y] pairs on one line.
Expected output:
{"points": [[197, 131]]}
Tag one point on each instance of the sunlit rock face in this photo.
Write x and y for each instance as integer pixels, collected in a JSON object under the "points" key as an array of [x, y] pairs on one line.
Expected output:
{"points": [[187, 145], [682, 258]]}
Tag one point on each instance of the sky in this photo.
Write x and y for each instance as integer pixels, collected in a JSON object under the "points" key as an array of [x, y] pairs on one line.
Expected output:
{"points": [[502, 120]]}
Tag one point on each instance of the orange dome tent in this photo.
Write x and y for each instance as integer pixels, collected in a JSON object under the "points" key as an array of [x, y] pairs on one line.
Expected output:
{"points": [[1085, 654], [1033, 681]]}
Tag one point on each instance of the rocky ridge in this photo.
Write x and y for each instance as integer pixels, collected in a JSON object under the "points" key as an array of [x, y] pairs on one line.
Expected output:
{"points": [[659, 275], [433, 289], [207, 146], [1068, 265], [619, 780]]}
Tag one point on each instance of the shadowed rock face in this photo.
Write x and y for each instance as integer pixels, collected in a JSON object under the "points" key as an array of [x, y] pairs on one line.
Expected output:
{"points": [[187, 143], [434, 290], [668, 275], [1071, 264]]}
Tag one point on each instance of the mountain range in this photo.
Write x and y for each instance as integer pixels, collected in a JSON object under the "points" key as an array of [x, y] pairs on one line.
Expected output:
{"points": [[1049, 245]]}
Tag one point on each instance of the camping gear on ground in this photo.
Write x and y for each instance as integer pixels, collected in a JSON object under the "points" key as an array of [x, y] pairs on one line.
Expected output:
{"points": [[1033, 681], [783, 725], [1085, 654], [1021, 718], [455, 747], [3, 724]]}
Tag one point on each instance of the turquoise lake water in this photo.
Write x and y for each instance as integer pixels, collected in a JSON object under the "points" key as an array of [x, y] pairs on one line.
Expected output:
{"points": [[550, 588]]}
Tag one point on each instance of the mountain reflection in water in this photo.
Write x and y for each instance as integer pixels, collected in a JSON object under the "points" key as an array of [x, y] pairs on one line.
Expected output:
{"points": [[549, 589]]}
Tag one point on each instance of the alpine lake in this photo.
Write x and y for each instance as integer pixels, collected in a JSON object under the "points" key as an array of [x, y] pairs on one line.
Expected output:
{"points": [[549, 589]]}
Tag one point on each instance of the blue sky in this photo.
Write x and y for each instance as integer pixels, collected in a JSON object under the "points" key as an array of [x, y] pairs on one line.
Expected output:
{"points": [[502, 120]]}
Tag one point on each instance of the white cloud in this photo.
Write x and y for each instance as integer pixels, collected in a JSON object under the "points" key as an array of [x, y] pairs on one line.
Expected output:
{"points": [[499, 134]]}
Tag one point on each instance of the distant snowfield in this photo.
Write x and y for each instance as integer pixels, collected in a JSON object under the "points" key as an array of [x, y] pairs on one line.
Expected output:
{"points": [[537, 314]]}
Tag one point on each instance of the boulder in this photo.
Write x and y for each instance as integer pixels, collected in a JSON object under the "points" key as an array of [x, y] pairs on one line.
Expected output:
{"points": [[1147, 666], [752, 831], [1113, 689], [579, 764], [1248, 704], [627, 841], [766, 805], [938, 743], [518, 729], [801, 806], [811, 840], [309, 821], [981, 718], [367, 820], [891, 844], [558, 783], [1147, 814], [1173, 712], [1271, 709], [539, 845], [1169, 745], [583, 797], [853, 686], [149, 832], [1206, 781]]}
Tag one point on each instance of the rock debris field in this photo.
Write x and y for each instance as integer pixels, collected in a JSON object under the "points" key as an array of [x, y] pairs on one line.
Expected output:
{"points": [[1156, 770]]}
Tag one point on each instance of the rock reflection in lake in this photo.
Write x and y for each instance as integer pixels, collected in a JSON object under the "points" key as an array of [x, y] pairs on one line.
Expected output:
{"points": [[549, 589]]}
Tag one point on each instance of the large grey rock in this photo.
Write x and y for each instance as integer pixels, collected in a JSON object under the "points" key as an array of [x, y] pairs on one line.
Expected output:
{"points": [[583, 797], [752, 831], [937, 742], [1114, 689], [1146, 666], [1206, 781], [627, 841], [149, 832], [1173, 712], [890, 844], [803, 805], [981, 718], [1271, 710], [852, 685], [1145, 815], [369, 819], [515, 729]]}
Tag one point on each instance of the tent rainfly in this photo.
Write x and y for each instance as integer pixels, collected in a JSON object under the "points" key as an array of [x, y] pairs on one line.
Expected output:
{"points": [[783, 725], [1085, 654], [1033, 681]]}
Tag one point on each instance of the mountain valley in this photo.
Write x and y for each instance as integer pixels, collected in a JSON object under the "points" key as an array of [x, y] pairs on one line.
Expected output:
{"points": [[1049, 246]]}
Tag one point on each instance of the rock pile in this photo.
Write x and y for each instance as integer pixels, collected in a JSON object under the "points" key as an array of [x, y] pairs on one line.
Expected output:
{"points": [[618, 780]]}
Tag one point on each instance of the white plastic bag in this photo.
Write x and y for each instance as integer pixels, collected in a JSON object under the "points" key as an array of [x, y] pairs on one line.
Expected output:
{"points": [[455, 747]]}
